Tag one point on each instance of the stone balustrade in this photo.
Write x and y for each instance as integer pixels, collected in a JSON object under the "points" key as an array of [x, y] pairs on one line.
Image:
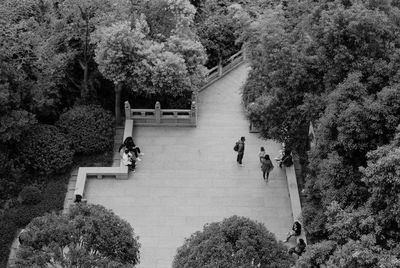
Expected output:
{"points": [[220, 70], [162, 117]]}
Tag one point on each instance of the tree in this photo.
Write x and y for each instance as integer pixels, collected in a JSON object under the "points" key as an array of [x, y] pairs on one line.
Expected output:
{"points": [[219, 26], [234, 242], [167, 61], [79, 20], [89, 236]]}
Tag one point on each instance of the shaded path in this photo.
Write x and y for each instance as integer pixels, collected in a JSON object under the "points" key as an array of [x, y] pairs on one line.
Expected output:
{"points": [[189, 177]]}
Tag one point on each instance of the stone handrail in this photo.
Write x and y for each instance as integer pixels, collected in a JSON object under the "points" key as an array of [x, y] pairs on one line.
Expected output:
{"points": [[162, 117], [120, 172], [220, 70]]}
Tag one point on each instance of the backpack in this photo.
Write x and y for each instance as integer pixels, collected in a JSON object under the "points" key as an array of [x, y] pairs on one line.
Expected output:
{"points": [[236, 147]]}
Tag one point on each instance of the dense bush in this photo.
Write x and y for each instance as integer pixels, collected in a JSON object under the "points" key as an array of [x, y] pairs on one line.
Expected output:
{"points": [[45, 150], [234, 242], [89, 128], [21, 215], [30, 195], [52, 200], [84, 230]]}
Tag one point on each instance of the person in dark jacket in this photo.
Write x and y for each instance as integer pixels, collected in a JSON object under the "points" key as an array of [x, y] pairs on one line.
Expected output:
{"points": [[131, 146], [240, 150], [266, 167], [296, 230]]}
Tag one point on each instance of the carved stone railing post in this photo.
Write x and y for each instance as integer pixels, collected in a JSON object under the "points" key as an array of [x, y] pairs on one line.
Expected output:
{"points": [[193, 113], [157, 112], [194, 96], [127, 110]]}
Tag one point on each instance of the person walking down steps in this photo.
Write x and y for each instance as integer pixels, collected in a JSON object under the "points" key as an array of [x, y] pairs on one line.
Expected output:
{"points": [[239, 148], [266, 167]]}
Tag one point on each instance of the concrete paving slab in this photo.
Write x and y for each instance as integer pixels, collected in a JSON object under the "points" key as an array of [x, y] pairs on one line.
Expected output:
{"points": [[189, 177]]}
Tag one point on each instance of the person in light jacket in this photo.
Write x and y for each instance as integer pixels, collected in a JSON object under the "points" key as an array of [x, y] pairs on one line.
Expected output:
{"points": [[128, 160]]}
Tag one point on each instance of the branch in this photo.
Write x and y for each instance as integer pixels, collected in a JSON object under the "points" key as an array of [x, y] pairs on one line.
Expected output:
{"points": [[74, 83], [83, 66]]}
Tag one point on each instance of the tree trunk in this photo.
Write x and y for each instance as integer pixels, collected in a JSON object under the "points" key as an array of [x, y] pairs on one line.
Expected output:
{"points": [[85, 63], [118, 90]]}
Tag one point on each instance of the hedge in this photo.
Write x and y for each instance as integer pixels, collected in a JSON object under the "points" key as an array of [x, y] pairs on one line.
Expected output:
{"points": [[89, 128], [46, 150], [20, 216]]}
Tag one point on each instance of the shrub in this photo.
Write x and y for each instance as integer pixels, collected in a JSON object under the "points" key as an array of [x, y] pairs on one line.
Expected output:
{"points": [[53, 200], [46, 150], [30, 195], [234, 242], [89, 128]]}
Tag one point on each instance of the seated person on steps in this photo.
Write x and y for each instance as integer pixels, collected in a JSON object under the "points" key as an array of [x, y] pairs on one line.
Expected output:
{"points": [[296, 230], [131, 146]]}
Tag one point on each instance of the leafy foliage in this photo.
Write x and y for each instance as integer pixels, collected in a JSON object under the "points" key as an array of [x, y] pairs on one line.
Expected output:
{"points": [[149, 56], [45, 150], [234, 242], [88, 128], [19, 216], [89, 234], [30, 195], [334, 63]]}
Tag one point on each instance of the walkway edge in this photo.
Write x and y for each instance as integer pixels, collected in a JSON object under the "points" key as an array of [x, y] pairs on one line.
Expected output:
{"points": [[294, 197]]}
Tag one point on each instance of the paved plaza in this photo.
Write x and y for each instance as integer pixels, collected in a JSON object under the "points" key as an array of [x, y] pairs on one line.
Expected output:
{"points": [[189, 177]]}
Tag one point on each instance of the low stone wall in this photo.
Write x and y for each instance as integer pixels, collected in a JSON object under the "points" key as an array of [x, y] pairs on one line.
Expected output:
{"points": [[120, 172], [294, 197]]}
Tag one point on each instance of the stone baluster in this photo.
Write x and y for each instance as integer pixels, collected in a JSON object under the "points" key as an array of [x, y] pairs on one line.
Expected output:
{"points": [[127, 110], [157, 112], [193, 114]]}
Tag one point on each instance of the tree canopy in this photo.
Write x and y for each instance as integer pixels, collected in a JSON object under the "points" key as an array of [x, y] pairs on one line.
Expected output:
{"points": [[151, 56], [234, 242], [335, 64], [88, 236]]}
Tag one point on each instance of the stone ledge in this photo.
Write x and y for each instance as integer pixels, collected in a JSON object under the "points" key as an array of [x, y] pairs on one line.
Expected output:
{"points": [[294, 198], [120, 172]]}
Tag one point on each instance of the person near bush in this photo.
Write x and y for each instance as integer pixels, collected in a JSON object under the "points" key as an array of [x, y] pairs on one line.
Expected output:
{"points": [[286, 158], [266, 167], [240, 151], [296, 230], [131, 146]]}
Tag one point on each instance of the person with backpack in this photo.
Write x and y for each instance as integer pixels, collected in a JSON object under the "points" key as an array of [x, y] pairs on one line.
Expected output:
{"points": [[239, 148]]}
